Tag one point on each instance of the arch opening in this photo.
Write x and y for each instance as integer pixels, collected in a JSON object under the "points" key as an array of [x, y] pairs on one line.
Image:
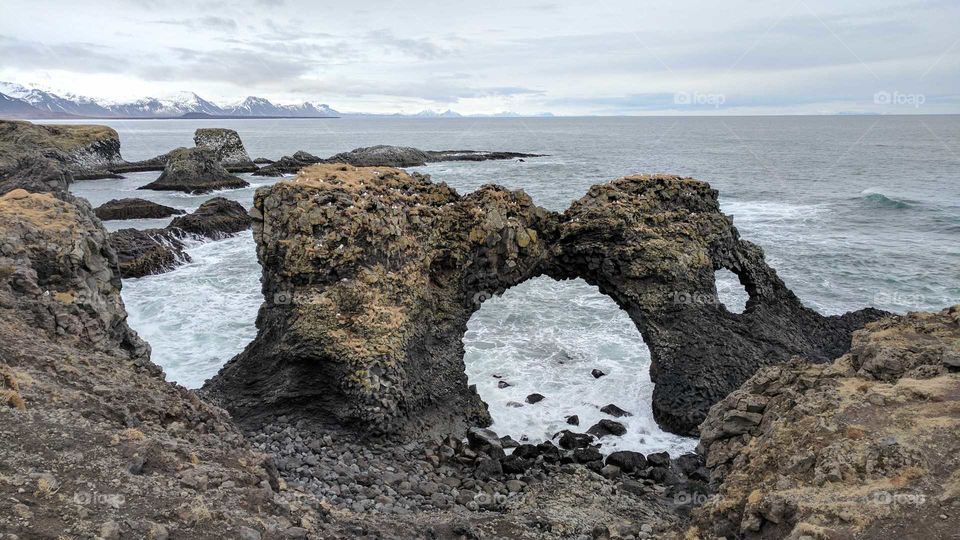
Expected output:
{"points": [[730, 292], [547, 337]]}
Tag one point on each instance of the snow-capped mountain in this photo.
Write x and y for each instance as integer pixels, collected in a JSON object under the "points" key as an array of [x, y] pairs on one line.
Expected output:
{"points": [[51, 105], [257, 106]]}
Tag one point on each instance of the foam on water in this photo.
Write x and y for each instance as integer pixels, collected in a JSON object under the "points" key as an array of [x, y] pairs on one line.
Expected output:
{"points": [[545, 336], [200, 315]]}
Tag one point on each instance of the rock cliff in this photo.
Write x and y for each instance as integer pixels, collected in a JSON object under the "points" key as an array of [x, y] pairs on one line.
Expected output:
{"points": [[371, 274], [49, 157], [863, 447]]}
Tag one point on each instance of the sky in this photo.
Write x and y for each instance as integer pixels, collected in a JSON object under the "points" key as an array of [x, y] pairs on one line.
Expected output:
{"points": [[565, 57]]}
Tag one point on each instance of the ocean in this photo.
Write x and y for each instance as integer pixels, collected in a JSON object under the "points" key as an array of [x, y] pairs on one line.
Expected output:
{"points": [[852, 211]]}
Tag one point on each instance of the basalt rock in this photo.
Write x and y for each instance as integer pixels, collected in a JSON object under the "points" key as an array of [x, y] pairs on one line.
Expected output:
{"points": [[143, 252], [404, 156], [862, 447], [371, 274], [215, 219], [49, 157], [227, 146], [288, 164], [155, 251], [117, 209], [194, 170]]}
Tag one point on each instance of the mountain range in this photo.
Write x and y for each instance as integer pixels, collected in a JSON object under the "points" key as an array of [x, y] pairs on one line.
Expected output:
{"points": [[19, 101]]}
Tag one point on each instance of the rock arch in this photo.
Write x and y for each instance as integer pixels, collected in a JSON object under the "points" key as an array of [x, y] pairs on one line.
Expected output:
{"points": [[370, 276]]}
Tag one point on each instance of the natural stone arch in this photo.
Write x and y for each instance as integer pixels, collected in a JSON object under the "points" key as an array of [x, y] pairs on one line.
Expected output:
{"points": [[370, 276]]}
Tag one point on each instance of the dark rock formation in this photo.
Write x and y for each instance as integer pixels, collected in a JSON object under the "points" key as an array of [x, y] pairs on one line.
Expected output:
{"points": [[49, 157], [863, 447], [154, 251], [81, 404], [227, 147], [606, 427], [535, 398], [117, 209], [215, 219], [614, 411], [288, 164], [371, 274], [404, 156], [148, 251], [194, 170], [263, 161]]}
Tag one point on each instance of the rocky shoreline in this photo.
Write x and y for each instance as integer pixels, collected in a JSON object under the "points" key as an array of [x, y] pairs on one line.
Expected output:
{"points": [[349, 415]]}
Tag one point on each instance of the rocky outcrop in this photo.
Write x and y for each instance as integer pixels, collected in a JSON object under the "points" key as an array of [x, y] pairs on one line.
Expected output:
{"points": [[383, 156], [215, 219], [403, 156], [371, 274], [227, 146], [95, 442], [155, 251], [49, 157], [194, 170], [864, 447], [117, 209]]}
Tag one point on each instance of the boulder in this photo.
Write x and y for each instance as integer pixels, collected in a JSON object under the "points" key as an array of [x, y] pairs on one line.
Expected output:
{"points": [[227, 147], [659, 459], [194, 170], [535, 398], [570, 440], [628, 461], [607, 427], [117, 209], [597, 373], [371, 274], [215, 219], [614, 411], [145, 252], [382, 156], [485, 441]]}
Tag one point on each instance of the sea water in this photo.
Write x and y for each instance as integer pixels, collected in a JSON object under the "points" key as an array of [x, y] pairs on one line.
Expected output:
{"points": [[851, 211]]}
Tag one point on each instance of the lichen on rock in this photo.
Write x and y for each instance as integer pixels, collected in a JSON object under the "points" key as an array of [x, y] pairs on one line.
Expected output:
{"points": [[371, 274]]}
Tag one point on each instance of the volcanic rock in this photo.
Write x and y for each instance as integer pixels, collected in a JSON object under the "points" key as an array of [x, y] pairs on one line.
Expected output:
{"points": [[614, 411], [386, 268], [823, 445], [227, 147], [143, 252], [627, 460], [607, 427], [597, 373], [215, 219], [535, 398], [117, 209], [194, 170]]}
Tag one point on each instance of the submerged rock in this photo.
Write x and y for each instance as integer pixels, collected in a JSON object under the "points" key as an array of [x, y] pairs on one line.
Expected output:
{"points": [[405, 156], [194, 170], [117, 209], [614, 411], [371, 274]]}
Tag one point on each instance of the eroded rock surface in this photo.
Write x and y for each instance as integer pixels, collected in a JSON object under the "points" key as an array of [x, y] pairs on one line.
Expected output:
{"points": [[371, 274], [864, 447], [133, 208], [194, 170], [227, 146], [215, 219], [49, 157]]}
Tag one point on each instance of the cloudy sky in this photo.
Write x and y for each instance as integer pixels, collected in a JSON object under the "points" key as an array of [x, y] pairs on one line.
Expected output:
{"points": [[567, 57]]}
